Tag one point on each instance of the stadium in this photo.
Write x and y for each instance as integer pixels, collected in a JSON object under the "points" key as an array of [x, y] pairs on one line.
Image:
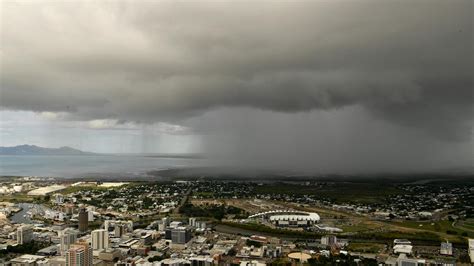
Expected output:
{"points": [[285, 218]]}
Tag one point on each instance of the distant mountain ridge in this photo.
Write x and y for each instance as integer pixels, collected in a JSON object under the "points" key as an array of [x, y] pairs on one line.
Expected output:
{"points": [[36, 150]]}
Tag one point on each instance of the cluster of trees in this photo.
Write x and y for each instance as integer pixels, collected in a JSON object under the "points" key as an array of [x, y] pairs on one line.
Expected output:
{"points": [[217, 212], [148, 202], [253, 243], [27, 248], [452, 232], [157, 258]]}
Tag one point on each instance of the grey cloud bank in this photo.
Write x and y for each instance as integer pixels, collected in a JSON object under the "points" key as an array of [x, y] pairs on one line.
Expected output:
{"points": [[344, 141], [409, 64]]}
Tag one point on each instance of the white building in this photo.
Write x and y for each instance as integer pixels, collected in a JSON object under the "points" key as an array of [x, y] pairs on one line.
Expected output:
{"points": [[402, 260], [113, 223], [402, 249], [200, 225], [175, 262], [54, 215], [59, 198], [471, 249], [289, 217], [67, 237], [425, 214], [175, 224], [401, 242], [90, 216], [294, 219], [100, 239], [161, 226], [329, 229], [252, 263], [24, 234], [26, 260], [202, 261], [329, 240], [446, 248]]}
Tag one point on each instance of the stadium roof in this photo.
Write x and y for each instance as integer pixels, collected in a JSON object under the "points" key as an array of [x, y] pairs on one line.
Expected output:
{"points": [[288, 215]]}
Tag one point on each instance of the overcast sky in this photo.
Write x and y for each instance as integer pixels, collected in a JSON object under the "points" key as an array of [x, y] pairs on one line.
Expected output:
{"points": [[306, 85]]}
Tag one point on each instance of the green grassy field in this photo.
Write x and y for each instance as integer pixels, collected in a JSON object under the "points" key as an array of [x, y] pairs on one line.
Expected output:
{"points": [[432, 226], [355, 228], [467, 226], [440, 226], [17, 197], [444, 229], [469, 223], [365, 247]]}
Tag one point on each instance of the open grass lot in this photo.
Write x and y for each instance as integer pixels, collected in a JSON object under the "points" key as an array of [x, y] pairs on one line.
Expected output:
{"points": [[88, 187], [17, 197], [466, 226], [339, 192], [361, 226], [444, 229], [469, 224], [439, 226], [431, 226], [365, 247]]}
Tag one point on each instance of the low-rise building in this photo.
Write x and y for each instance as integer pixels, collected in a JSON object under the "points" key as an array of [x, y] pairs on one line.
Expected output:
{"points": [[27, 260], [201, 261], [402, 249], [110, 255], [446, 248]]}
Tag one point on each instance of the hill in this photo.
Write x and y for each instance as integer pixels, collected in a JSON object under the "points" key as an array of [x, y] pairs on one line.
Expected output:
{"points": [[36, 150]]}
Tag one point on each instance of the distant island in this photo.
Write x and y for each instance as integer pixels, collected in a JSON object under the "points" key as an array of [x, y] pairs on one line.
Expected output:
{"points": [[36, 150]]}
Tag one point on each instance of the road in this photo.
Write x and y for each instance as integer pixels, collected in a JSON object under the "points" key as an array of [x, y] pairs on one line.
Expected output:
{"points": [[183, 201]]}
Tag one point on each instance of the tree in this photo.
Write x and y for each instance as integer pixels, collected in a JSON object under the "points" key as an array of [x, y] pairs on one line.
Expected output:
{"points": [[253, 243]]}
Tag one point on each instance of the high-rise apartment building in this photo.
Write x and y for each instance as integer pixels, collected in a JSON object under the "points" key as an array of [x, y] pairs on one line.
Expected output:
{"points": [[24, 234], [67, 237], [100, 239], [79, 254], [83, 219]]}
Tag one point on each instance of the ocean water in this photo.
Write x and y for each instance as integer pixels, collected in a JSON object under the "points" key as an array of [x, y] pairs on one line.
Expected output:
{"points": [[77, 166]]}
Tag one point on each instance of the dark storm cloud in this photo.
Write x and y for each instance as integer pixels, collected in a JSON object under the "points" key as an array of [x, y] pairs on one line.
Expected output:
{"points": [[345, 141], [408, 63]]}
